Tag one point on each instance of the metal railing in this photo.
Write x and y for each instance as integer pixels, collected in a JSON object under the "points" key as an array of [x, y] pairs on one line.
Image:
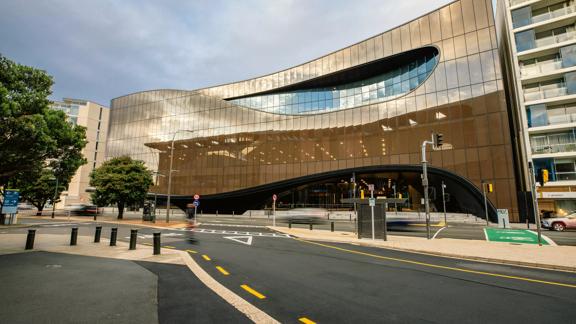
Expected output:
{"points": [[565, 176], [517, 2], [554, 148], [553, 14], [555, 39], [545, 94], [561, 119], [539, 68]]}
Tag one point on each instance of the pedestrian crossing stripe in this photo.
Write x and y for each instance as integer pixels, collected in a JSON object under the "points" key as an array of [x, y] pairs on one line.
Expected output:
{"points": [[224, 232]]}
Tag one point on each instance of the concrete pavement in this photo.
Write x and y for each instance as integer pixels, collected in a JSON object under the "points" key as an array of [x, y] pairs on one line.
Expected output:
{"points": [[173, 269], [550, 257]]}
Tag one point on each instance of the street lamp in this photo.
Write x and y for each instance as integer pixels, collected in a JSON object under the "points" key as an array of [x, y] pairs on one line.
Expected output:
{"points": [[55, 193], [157, 174], [170, 172]]}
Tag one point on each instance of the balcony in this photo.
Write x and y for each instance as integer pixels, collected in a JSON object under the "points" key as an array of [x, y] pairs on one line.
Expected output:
{"points": [[545, 94], [553, 14], [517, 2], [553, 148], [540, 68], [561, 119], [556, 39], [564, 176]]}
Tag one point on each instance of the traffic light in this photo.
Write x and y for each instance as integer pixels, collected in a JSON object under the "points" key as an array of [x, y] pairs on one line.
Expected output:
{"points": [[543, 176], [438, 139]]}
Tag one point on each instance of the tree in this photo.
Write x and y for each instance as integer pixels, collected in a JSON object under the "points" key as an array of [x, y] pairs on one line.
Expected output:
{"points": [[24, 134], [39, 186], [37, 144], [122, 181]]}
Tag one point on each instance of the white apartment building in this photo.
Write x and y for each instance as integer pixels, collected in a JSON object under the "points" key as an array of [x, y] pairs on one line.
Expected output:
{"points": [[95, 118], [540, 42]]}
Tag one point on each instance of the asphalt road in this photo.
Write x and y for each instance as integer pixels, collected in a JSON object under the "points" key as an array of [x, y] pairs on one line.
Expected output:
{"points": [[296, 280]]}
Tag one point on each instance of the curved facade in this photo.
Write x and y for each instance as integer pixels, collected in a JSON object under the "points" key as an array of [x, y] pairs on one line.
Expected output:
{"points": [[353, 113]]}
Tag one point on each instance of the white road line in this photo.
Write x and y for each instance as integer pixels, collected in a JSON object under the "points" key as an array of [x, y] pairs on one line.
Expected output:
{"points": [[235, 225], [546, 238], [438, 231], [224, 232]]}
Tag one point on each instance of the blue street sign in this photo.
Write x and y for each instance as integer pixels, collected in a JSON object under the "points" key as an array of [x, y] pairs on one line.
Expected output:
{"points": [[196, 203], [10, 205]]}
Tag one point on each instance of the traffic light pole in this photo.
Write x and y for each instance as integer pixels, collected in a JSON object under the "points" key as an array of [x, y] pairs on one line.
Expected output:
{"points": [[484, 184], [425, 185], [535, 199]]}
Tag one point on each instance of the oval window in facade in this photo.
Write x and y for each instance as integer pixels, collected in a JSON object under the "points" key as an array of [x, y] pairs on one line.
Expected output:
{"points": [[374, 82]]}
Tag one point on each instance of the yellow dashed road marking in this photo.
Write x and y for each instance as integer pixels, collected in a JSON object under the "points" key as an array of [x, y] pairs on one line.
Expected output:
{"points": [[253, 292], [191, 251], [168, 247], [224, 272], [306, 321], [207, 258]]}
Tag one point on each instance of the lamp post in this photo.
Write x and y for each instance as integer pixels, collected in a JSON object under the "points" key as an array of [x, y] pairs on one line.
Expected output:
{"points": [[170, 172], [157, 174], [55, 193]]}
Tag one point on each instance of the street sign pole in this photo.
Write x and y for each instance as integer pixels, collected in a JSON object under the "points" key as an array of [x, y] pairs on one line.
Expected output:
{"points": [[484, 184], [395, 204], [274, 197], [371, 187], [444, 203]]}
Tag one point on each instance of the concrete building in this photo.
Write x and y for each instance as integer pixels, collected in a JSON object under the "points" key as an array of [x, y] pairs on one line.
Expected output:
{"points": [[539, 53], [95, 118]]}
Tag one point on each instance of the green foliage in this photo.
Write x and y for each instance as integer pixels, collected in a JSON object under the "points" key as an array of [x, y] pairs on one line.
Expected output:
{"points": [[39, 186], [36, 142], [24, 133], [122, 181]]}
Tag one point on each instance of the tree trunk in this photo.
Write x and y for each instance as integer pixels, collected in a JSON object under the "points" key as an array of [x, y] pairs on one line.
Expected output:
{"points": [[120, 210], [40, 209]]}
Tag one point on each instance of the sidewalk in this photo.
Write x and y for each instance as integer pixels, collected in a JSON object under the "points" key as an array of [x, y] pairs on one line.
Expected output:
{"points": [[206, 299], [112, 219], [550, 257]]}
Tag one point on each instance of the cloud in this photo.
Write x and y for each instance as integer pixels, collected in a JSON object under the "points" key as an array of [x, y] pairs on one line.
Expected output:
{"points": [[101, 49]]}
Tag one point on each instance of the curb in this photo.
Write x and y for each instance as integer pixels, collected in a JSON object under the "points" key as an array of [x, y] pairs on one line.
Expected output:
{"points": [[252, 312], [448, 255]]}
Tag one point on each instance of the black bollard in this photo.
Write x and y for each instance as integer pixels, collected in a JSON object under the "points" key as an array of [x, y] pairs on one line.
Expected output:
{"points": [[156, 243], [74, 236], [30, 239], [97, 234], [332, 226], [133, 236], [310, 226], [113, 235], [289, 224]]}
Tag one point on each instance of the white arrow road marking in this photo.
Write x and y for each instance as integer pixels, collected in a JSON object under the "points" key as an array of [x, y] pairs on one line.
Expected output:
{"points": [[240, 239]]}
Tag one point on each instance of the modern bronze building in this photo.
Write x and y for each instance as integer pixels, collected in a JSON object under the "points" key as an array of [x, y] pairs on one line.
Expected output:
{"points": [[323, 130]]}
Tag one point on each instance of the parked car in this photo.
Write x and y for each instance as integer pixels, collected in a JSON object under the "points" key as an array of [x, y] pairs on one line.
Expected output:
{"points": [[25, 206], [560, 223], [83, 210]]}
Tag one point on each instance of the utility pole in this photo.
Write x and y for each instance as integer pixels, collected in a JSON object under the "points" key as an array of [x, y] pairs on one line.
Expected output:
{"points": [[444, 203], [170, 172]]}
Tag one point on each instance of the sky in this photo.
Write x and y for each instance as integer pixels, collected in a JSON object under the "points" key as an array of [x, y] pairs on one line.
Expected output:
{"points": [[102, 49]]}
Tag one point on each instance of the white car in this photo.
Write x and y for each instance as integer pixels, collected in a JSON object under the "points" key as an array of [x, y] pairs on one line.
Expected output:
{"points": [[560, 223]]}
